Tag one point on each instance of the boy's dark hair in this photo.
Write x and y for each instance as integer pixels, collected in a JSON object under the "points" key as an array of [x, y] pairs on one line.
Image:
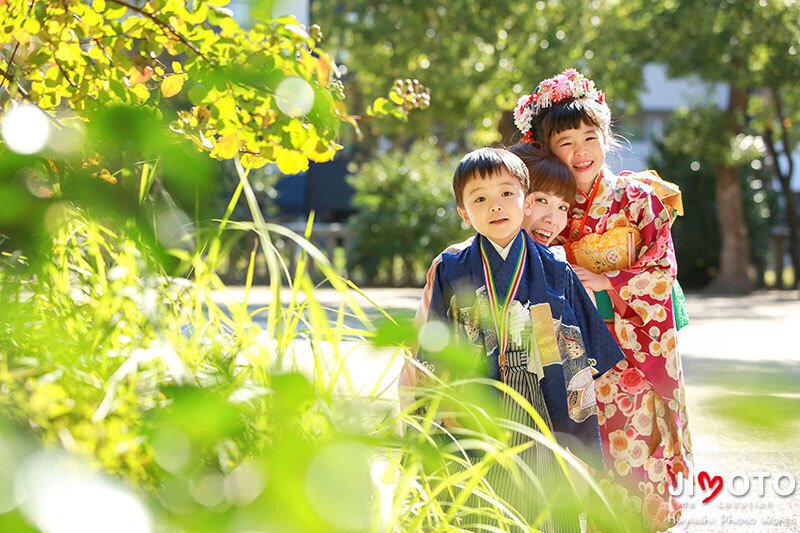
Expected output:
{"points": [[547, 172], [571, 114], [483, 163]]}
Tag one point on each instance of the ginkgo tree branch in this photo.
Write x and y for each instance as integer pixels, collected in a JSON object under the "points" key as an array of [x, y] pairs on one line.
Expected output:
{"points": [[6, 75], [64, 72], [165, 26], [11, 60]]}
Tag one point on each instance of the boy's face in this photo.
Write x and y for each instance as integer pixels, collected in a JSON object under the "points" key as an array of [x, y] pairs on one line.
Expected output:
{"points": [[495, 206], [548, 217]]}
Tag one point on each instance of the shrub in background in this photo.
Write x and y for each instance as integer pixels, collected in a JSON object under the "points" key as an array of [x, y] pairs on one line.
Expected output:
{"points": [[406, 213]]}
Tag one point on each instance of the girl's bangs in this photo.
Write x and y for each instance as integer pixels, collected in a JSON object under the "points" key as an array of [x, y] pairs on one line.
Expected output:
{"points": [[569, 116]]}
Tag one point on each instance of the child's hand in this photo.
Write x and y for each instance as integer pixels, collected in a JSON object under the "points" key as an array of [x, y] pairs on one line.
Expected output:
{"points": [[590, 280]]}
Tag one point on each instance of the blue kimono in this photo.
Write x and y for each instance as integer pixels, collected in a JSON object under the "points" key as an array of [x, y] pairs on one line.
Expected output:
{"points": [[557, 342]]}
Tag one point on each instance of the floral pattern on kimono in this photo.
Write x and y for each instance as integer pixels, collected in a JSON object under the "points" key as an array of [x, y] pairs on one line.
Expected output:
{"points": [[643, 423]]}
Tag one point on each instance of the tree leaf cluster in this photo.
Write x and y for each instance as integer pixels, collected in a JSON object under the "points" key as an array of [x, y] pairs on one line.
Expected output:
{"points": [[406, 212]]}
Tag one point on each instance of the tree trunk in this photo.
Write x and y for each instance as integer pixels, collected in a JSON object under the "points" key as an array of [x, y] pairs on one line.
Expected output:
{"points": [[390, 277], [507, 129], [792, 222], [734, 260], [409, 279], [785, 179]]}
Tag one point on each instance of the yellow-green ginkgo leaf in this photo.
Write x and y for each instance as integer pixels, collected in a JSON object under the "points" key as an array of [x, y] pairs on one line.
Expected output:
{"points": [[228, 26], [141, 92], [291, 161], [227, 146], [115, 12], [32, 25], [253, 161], [172, 85]]}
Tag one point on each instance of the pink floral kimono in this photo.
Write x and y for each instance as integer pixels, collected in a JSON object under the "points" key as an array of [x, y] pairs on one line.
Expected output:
{"points": [[641, 401]]}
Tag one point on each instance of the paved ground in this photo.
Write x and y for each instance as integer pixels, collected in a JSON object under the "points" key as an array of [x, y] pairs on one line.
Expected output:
{"points": [[736, 349], [741, 358]]}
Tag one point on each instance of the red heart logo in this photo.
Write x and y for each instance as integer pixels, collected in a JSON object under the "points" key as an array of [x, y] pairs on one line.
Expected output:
{"points": [[713, 483]]}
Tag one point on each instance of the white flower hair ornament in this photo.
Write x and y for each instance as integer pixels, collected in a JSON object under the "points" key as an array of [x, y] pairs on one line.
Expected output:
{"points": [[569, 84]]}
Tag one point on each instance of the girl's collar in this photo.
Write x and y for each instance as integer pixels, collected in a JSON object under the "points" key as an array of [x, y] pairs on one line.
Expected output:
{"points": [[582, 196]]}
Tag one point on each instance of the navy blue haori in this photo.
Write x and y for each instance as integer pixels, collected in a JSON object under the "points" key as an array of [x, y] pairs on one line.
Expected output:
{"points": [[557, 342]]}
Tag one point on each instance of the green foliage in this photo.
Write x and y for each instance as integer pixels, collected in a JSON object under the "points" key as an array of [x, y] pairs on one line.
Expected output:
{"points": [[406, 95], [696, 233], [746, 44], [145, 377], [405, 210], [93, 336], [478, 58], [701, 126]]}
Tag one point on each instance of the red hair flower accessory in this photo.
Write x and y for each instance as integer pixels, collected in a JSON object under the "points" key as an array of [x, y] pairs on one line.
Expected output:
{"points": [[568, 84]]}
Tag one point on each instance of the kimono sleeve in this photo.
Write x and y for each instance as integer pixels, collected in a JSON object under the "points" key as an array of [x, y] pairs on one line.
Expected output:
{"points": [[425, 300], [646, 286], [601, 347]]}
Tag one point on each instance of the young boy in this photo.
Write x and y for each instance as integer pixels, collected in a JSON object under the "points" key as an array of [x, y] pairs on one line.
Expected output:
{"points": [[527, 312]]}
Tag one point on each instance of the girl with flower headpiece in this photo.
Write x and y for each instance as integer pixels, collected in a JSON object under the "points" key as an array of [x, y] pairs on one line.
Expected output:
{"points": [[619, 241]]}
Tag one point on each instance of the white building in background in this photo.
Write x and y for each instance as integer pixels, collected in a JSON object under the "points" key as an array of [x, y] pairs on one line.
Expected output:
{"points": [[659, 99], [301, 9]]}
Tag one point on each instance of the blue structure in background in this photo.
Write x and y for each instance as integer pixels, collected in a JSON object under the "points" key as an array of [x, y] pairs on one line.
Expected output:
{"points": [[322, 189]]}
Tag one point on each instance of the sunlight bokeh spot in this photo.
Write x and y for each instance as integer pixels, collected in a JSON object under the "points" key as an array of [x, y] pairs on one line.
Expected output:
{"points": [[243, 485], [342, 509], [172, 449], [25, 129], [294, 96], [59, 494], [67, 140], [173, 227], [56, 216], [434, 336], [384, 477], [176, 497], [207, 489]]}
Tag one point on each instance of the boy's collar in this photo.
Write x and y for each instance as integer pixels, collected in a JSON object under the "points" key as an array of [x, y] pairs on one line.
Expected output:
{"points": [[502, 252]]}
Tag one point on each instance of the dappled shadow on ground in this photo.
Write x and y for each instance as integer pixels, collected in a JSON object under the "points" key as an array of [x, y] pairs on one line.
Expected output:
{"points": [[763, 305], [768, 377]]}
